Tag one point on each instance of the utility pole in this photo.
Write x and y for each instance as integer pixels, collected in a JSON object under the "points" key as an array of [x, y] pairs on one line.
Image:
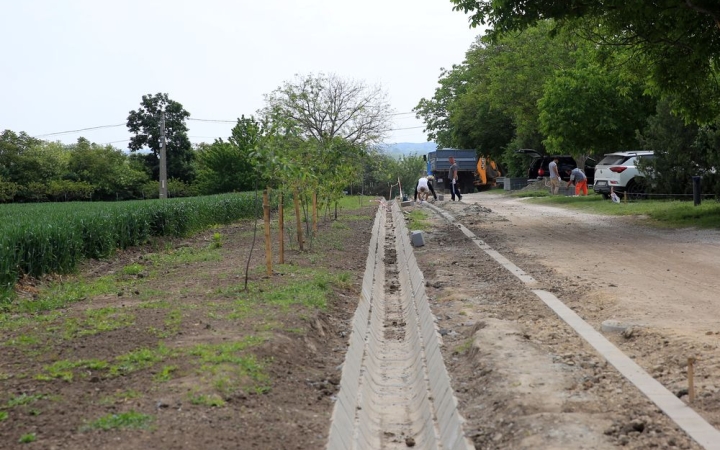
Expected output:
{"points": [[163, 159]]}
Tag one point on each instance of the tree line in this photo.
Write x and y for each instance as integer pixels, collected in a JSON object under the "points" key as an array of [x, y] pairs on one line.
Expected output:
{"points": [[587, 78], [316, 132]]}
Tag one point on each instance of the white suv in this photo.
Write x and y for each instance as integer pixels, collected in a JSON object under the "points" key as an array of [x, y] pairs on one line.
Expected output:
{"points": [[619, 171]]}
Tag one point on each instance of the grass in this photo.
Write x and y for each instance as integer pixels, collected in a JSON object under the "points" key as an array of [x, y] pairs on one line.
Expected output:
{"points": [[165, 373], [97, 321], [120, 397], [668, 213], [211, 400], [27, 438], [227, 366], [465, 346], [185, 255], [65, 369], [61, 295], [133, 269], [122, 421], [416, 220], [217, 240], [139, 359], [24, 399], [3, 415]]}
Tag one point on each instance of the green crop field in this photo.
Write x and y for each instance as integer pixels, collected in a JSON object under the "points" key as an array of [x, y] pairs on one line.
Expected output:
{"points": [[37, 239]]}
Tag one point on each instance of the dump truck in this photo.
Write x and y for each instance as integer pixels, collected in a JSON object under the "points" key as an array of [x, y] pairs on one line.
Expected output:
{"points": [[473, 172]]}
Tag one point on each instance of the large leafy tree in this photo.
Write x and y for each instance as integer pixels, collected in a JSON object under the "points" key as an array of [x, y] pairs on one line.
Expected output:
{"points": [[145, 124], [319, 125], [107, 169], [681, 151], [675, 43], [592, 109], [229, 166], [490, 101], [12, 148], [435, 111], [324, 107]]}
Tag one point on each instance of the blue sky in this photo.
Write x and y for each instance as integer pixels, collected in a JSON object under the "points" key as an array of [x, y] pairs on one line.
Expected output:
{"points": [[74, 64]]}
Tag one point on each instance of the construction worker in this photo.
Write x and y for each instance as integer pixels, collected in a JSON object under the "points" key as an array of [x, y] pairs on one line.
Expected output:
{"points": [[424, 187], [578, 177]]}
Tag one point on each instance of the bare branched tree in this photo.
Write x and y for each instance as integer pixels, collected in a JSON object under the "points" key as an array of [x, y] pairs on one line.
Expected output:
{"points": [[325, 107]]}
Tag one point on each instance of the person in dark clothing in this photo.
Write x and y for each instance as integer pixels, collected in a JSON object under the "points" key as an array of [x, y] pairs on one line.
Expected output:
{"points": [[453, 177]]}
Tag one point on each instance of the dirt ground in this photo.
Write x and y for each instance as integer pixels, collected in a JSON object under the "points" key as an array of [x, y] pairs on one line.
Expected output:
{"points": [[171, 354], [168, 335], [523, 378]]}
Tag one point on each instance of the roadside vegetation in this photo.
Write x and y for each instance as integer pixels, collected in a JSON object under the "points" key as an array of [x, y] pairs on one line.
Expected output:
{"points": [[668, 213]]}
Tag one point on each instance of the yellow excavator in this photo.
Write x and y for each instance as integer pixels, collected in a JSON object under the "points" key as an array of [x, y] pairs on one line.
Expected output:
{"points": [[486, 174]]}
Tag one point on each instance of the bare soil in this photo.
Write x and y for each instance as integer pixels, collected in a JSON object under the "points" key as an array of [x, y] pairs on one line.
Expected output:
{"points": [[523, 378], [222, 369]]}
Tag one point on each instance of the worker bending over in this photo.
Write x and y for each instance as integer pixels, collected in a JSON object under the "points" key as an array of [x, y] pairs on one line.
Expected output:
{"points": [[424, 187], [578, 177]]}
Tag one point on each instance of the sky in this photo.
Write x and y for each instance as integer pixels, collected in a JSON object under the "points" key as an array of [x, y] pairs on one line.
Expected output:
{"points": [[75, 64]]}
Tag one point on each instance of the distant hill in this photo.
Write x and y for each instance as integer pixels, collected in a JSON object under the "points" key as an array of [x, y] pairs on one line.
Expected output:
{"points": [[399, 149]]}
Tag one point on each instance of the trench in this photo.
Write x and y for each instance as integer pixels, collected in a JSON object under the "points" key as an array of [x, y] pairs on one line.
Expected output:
{"points": [[394, 391]]}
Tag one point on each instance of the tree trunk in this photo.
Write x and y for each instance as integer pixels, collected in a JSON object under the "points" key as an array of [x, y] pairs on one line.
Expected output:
{"points": [[281, 229], [314, 213], [268, 242], [298, 220]]}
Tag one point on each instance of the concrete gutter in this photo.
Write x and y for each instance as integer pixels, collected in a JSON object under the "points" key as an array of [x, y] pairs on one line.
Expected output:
{"points": [[397, 388]]}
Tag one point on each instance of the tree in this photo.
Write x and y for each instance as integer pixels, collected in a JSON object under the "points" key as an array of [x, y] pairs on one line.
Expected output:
{"points": [[681, 151], [229, 166], [435, 111], [325, 107], [106, 168], [490, 101], [12, 147], [591, 109], [145, 124], [676, 43]]}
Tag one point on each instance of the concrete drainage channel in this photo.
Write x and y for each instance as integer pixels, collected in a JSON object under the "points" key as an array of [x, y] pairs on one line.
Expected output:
{"points": [[395, 391]]}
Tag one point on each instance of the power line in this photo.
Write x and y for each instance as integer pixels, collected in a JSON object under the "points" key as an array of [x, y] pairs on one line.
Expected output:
{"points": [[57, 133], [408, 128], [81, 129], [213, 120]]}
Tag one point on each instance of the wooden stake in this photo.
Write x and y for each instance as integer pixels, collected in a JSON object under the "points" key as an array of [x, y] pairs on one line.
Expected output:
{"points": [[298, 220], [691, 379], [268, 242], [281, 228], [315, 213]]}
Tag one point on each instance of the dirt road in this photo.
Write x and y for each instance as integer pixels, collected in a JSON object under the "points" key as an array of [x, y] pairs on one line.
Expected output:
{"points": [[524, 379], [662, 279]]}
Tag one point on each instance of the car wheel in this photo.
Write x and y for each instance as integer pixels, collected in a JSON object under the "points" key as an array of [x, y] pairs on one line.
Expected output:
{"points": [[635, 190], [606, 196]]}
